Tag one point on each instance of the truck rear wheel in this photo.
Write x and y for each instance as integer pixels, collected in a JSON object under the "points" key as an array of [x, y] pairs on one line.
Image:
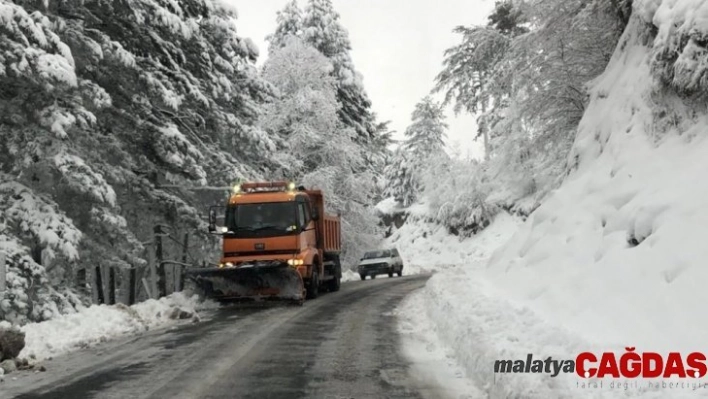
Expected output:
{"points": [[334, 284], [363, 276]]}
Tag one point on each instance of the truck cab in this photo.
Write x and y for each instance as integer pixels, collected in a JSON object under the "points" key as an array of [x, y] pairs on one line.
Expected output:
{"points": [[276, 224]]}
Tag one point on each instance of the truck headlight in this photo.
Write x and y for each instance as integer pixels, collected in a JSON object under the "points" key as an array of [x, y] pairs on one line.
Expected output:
{"points": [[229, 264], [296, 262]]}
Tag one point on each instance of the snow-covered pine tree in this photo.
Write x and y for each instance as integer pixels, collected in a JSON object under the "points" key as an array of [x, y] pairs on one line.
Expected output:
{"points": [[323, 30], [378, 155], [320, 27], [468, 78], [524, 76], [101, 105], [317, 148], [425, 137], [400, 178], [288, 23], [424, 146], [544, 74]]}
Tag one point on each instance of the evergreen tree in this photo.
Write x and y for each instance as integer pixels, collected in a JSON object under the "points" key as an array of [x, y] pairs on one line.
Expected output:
{"points": [[289, 23], [102, 104], [425, 137], [424, 147], [470, 68], [316, 147], [524, 76], [323, 30], [507, 19], [400, 178]]}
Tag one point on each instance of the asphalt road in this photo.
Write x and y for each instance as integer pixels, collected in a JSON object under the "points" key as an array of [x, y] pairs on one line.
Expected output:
{"points": [[340, 345]]}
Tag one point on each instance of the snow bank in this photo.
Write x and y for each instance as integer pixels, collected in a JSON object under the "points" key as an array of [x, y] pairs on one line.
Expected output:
{"points": [[101, 322], [460, 323], [349, 275], [426, 247], [433, 361]]}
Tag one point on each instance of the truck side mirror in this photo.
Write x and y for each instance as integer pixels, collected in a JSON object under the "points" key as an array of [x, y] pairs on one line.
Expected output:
{"points": [[315, 214]]}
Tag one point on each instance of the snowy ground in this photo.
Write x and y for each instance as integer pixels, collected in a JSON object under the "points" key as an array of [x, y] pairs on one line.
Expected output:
{"points": [[349, 275], [100, 323], [461, 322]]}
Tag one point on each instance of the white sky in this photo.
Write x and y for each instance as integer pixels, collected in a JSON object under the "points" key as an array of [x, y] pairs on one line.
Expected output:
{"points": [[397, 45]]}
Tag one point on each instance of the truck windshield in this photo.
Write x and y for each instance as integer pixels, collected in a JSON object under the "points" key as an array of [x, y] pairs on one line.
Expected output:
{"points": [[274, 217], [377, 254]]}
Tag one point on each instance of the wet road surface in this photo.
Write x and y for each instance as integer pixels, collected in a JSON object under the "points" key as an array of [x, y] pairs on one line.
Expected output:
{"points": [[340, 345]]}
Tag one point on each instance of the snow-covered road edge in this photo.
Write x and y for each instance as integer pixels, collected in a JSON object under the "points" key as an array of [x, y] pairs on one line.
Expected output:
{"points": [[100, 323], [433, 362], [459, 324]]}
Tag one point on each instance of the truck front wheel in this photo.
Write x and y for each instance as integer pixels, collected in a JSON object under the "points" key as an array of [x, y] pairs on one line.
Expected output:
{"points": [[313, 290]]}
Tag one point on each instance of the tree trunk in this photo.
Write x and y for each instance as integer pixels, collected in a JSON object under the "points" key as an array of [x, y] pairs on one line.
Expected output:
{"points": [[485, 130]]}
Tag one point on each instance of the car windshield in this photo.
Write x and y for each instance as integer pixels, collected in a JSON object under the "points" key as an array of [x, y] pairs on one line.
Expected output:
{"points": [[377, 254], [275, 216]]}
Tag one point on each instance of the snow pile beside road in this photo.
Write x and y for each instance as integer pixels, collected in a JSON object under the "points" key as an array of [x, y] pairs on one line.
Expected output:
{"points": [[427, 247], [100, 323], [349, 275], [434, 362], [459, 324]]}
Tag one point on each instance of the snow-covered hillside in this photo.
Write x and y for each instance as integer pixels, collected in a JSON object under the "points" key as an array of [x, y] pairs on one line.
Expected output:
{"points": [[614, 257], [618, 253]]}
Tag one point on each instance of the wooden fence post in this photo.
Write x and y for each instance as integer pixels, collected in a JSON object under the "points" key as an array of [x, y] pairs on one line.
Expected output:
{"points": [[180, 270], [152, 270], [161, 275], [132, 274], [99, 285], [111, 285]]}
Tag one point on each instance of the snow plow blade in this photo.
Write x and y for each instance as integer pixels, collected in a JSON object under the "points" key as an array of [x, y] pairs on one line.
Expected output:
{"points": [[250, 283]]}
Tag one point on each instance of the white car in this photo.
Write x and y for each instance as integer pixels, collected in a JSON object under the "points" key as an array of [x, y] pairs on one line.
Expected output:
{"points": [[385, 261]]}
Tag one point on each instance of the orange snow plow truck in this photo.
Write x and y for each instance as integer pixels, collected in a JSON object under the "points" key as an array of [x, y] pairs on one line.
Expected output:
{"points": [[278, 243]]}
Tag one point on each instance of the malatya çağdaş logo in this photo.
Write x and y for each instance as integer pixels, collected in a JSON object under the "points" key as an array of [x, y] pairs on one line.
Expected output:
{"points": [[629, 364]]}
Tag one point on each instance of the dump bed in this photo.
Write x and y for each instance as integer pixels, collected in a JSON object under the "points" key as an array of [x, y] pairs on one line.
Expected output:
{"points": [[330, 226], [332, 239]]}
